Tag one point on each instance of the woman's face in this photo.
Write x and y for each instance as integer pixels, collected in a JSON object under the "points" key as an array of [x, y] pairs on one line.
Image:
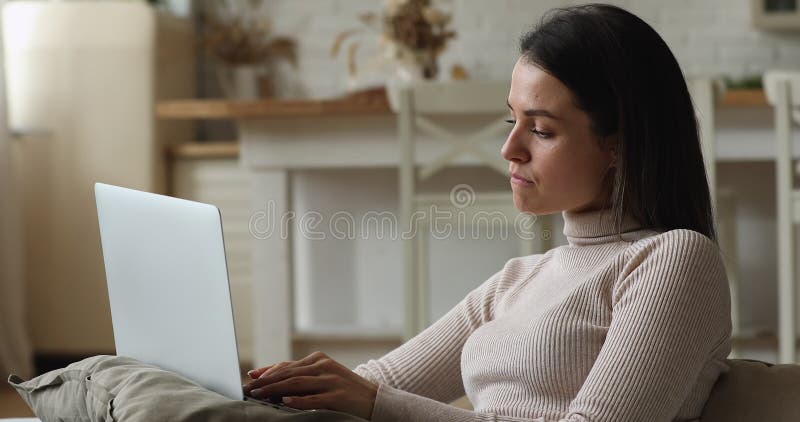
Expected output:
{"points": [[555, 160]]}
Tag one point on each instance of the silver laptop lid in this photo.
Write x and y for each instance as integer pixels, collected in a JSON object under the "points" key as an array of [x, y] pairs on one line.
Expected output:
{"points": [[168, 285]]}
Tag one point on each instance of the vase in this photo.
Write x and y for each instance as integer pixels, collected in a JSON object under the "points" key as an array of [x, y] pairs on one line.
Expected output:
{"points": [[429, 66], [416, 67], [241, 82]]}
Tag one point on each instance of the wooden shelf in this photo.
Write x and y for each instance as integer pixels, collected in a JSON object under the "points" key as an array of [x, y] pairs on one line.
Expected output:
{"points": [[205, 150], [369, 102], [372, 102], [744, 98]]}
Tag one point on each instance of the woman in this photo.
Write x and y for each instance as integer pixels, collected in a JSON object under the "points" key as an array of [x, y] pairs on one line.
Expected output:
{"points": [[628, 322]]}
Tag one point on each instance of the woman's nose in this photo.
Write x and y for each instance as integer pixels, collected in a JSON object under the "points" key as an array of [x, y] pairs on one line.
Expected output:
{"points": [[514, 150]]}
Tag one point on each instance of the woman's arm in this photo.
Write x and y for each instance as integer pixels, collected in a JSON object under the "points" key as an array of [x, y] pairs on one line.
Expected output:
{"points": [[429, 364], [671, 312]]}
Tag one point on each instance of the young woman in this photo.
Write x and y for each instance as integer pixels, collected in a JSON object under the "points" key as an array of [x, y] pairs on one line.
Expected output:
{"points": [[628, 322]]}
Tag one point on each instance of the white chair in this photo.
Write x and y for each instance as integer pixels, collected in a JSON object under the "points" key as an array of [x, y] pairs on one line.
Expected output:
{"points": [[417, 103], [421, 107], [783, 93], [705, 96]]}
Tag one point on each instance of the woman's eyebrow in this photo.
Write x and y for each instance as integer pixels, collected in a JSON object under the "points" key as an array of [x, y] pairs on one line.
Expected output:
{"points": [[535, 112]]}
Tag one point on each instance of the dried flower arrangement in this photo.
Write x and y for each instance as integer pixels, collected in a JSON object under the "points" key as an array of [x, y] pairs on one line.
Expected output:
{"points": [[238, 36], [413, 32]]}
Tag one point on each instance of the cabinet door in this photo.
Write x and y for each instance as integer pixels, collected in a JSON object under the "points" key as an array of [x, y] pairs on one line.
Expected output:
{"points": [[224, 183]]}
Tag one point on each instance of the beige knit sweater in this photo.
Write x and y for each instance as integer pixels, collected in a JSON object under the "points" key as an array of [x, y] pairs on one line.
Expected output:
{"points": [[603, 329]]}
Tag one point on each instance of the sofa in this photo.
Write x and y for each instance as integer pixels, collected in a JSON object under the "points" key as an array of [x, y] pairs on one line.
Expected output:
{"points": [[754, 390]]}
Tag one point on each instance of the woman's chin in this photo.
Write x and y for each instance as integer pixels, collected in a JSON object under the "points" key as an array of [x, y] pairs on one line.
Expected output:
{"points": [[529, 207], [525, 206]]}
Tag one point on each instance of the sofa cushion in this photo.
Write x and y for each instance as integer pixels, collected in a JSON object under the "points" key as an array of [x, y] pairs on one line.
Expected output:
{"points": [[754, 390], [113, 388]]}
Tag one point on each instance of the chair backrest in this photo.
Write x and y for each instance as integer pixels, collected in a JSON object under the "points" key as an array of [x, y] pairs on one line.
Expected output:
{"points": [[416, 102], [783, 93], [462, 97], [773, 81], [704, 96], [782, 89]]}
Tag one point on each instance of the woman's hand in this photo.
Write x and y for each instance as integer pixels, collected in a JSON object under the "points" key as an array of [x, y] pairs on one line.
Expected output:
{"points": [[315, 382]]}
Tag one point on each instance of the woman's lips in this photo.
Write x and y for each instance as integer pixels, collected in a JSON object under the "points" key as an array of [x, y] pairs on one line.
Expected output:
{"points": [[518, 180]]}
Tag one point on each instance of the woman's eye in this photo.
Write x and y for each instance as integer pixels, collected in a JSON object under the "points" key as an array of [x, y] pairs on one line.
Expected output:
{"points": [[541, 135]]}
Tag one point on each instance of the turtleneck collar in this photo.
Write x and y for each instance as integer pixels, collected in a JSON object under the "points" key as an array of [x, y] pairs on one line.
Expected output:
{"points": [[598, 226]]}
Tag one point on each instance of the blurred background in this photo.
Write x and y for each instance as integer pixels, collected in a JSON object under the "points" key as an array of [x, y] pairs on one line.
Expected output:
{"points": [[277, 110]]}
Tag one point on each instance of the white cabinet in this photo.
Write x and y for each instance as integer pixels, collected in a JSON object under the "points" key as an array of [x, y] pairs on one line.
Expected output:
{"points": [[222, 182]]}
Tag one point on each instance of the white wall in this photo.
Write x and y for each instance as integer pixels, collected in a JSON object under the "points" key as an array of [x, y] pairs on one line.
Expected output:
{"points": [[708, 37]]}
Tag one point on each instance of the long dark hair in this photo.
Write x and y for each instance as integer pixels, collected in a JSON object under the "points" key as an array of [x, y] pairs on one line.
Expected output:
{"points": [[624, 76]]}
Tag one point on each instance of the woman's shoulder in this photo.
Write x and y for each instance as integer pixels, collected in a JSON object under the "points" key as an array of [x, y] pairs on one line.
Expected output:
{"points": [[676, 241], [680, 255], [681, 268]]}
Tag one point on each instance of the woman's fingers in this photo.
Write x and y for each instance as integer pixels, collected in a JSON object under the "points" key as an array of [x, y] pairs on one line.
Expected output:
{"points": [[275, 367], [283, 373], [255, 373], [291, 364], [277, 371], [257, 381], [316, 382], [300, 385]]}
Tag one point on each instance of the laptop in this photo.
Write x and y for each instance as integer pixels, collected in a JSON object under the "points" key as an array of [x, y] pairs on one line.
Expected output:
{"points": [[168, 286]]}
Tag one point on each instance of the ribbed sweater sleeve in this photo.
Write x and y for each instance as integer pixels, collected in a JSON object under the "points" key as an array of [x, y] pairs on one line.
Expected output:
{"points": [[429, 364], [670, 312]]}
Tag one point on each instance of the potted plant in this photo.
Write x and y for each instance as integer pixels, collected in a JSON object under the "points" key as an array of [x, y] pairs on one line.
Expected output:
{"points": [[237, 38]]}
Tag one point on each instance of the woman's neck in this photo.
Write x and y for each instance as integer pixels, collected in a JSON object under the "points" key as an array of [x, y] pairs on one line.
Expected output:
{"points": [[598, 225]]}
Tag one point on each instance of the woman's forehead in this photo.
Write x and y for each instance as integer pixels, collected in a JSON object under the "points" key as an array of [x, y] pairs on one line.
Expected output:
{"points": [[533, 88]]}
